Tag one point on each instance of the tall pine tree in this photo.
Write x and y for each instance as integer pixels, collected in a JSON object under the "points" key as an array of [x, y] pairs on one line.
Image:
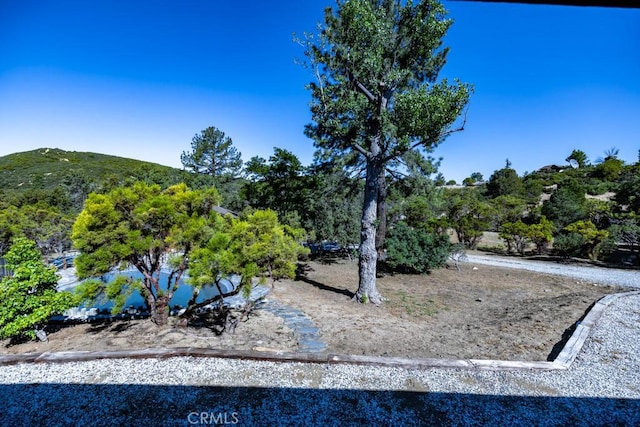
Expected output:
{"points": [[377, 95]]}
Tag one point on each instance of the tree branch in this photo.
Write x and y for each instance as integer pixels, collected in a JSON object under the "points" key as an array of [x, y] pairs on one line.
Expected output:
{"points": [[396, 173], [362, 88], [321, 86], [221, 296], [361, 149], [439, 137]]}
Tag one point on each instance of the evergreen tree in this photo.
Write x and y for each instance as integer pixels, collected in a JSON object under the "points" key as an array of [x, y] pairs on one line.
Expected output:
{"points": [[505, 182], [213, 153], [377, 96]]}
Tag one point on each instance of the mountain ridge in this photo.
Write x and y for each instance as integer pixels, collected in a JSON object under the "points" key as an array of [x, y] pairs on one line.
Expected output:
{"points": [[46, 168]]}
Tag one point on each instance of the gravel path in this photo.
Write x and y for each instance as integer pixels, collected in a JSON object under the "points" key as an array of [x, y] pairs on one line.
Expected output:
{"points": [[602, 387], [611, 276]]}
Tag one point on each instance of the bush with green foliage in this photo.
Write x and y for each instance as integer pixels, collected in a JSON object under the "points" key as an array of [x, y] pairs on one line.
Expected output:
{"points": [[566, 205], [518, 234], [507, 208], [568, 245], [254, 245], [627, 231], [424, 212], [591, 237], [609, 170], [29, 297], [504, 182], [541, 234], [259, 239], [515, 235], [629, 192], [596, 188], [469, 216], [142, 226], [599, 212], [11, 226], [533, 189], [412, 250]]}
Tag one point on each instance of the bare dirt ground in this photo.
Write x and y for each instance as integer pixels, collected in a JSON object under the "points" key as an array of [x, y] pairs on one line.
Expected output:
{"points": [[478, 312]]}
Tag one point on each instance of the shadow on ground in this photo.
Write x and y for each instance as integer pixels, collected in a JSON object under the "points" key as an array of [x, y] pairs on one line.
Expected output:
{"points": [[104, 404], [301, 275]]}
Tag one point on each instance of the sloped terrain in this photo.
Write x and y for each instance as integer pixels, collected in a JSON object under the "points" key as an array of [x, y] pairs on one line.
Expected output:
{"points": [[47, 168]]}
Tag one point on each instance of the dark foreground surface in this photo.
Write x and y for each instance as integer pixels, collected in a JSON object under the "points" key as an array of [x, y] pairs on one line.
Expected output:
{"points": [[89, 404]]}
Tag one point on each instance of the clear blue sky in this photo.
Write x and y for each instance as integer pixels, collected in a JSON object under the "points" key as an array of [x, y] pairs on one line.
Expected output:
{"points": [[140, 78]]}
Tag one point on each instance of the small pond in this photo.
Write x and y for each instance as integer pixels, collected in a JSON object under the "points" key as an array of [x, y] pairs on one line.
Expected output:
{"points": [[180, 297]]}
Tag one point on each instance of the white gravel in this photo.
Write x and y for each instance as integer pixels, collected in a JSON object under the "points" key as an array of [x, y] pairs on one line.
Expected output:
{"points": [[599, 275], [602, 387]]}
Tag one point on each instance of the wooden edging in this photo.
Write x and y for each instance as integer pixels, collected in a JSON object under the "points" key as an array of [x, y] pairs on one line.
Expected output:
{"points": [[562, 362], [583, 329]]}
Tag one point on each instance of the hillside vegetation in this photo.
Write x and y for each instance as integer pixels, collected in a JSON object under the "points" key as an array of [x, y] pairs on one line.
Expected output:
{"points": [[48, 168], [572, 210]]}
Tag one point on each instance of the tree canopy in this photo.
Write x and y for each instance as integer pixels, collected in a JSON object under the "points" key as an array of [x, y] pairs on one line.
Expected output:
{"points": [[505, 182], [143, 226], [281, 184], [566, 205], [167, 232], [212, 153], [578, 156]]}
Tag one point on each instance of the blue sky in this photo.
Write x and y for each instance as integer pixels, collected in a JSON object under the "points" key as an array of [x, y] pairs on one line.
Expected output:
{"points": [[140, 79]]}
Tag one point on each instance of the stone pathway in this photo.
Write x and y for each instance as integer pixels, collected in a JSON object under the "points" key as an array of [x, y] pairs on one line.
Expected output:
{"points": [[304, 330], [307, 334]]}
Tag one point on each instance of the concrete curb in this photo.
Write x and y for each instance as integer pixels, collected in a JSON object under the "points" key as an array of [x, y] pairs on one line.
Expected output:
{"points": [[563, 362]]}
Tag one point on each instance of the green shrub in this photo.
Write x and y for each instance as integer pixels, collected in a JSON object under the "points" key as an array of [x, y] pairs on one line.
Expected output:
{"points": [[469, 216], [566, 205], [627, 232], [591, 237], [598, 187], [518, 234], [568, 245], [608, 248], [515, 236], [541, 234], [609, 170], [413, 250], [29, 298]]}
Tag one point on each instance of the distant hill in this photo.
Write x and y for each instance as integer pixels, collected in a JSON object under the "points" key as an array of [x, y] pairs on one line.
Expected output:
{"points": [[47, 168]]}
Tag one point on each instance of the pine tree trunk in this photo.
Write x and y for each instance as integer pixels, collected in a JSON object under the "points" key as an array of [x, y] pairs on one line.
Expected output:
{"points": [[381, 233], [367, 290]]}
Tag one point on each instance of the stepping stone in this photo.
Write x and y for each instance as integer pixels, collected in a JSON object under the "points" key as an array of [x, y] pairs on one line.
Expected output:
{"points": [[303, 328], [312, 347], [308, 330]]}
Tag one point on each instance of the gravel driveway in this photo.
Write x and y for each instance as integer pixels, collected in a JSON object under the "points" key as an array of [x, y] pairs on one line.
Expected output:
{"points": [[602, 387], [600, 275]]}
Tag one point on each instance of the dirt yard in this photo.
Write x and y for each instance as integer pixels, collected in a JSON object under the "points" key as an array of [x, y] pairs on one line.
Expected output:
{"points": [[478, 312]]}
